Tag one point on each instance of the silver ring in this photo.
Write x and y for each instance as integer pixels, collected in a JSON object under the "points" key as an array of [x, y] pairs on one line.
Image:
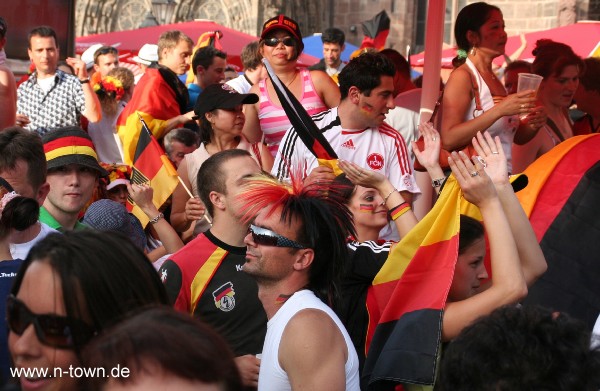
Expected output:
{"points": [[474, 173], [360, 173], [495, 152], [435, 138], [523, 106]]}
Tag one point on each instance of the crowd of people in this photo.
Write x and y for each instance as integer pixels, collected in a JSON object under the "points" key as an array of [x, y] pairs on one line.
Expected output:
{"points": [[256, 272]]}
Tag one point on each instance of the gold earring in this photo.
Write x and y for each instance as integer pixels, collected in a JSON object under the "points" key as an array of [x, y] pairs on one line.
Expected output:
{"points": [[473, 51]]}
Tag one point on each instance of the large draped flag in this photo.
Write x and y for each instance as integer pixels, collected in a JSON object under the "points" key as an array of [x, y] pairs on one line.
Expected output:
{"points": [[155, 100], [151, 165], [562, 203], [303, 124], [376, 31], [406, 300], [209, 38]]}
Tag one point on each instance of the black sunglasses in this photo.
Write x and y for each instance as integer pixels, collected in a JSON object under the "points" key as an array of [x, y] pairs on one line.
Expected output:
{"points": [[56, 331], [266, 237], [287, 41]]}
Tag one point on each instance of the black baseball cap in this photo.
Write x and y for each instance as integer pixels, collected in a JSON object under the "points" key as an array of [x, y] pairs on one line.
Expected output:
{"points": [[221, 96]]}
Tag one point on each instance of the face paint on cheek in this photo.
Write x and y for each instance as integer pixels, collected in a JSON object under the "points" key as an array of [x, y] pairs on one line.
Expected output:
{"points": [[366, 208], [366, 108]]}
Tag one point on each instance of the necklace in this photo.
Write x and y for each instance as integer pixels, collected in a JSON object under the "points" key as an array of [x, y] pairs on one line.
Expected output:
{"points": [[294, 78]]}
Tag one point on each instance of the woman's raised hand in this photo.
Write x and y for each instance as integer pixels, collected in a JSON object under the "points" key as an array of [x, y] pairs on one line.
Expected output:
{"points": [[475, 183], [361, 176], [429, 157], [490, 150]]}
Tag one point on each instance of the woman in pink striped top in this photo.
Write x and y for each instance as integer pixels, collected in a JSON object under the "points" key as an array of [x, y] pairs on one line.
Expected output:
{"points": [[281, 44]]}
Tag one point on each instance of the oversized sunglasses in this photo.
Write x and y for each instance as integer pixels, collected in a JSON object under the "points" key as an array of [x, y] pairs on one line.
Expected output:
{"points": [[266, 237], [287, 41], [52, 330]]}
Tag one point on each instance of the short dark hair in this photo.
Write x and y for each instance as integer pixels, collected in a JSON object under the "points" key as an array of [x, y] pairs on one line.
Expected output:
{"points": [[19, 213], [186, 136], [333, 35], [17, 144], [103, 276], [589, 78], [204, 56], [250, 56], [521, 348], [518, 64], [399, 61], [211, 176], [471, 230], [42, 31], [364, 72], [104, 50], [176, 343]]}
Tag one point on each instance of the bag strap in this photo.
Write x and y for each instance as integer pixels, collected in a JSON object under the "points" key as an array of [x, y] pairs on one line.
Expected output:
{"points": [[475, 88]]}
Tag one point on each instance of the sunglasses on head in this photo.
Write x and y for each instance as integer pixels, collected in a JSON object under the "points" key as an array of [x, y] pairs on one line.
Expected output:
{"points": [[266, 237], [52, 330], [287, 41]]}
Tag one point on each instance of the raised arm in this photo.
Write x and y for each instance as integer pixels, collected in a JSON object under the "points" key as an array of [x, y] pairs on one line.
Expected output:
{"points": [[93, 110], [429, 157], [184, 210], [252, 129], [142, 196], [313, 352], [533, 262], [508, 284]]}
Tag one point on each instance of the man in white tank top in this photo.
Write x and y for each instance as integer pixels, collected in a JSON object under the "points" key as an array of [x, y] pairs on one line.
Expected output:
{"points": [[295, 250]]}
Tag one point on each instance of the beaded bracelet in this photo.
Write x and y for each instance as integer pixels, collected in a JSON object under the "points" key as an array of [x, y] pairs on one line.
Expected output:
{"points": [[388, 196], [398, 210], [158, 217]]}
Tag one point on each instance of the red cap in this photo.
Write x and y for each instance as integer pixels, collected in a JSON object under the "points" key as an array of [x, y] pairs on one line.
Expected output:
{"points": [[282, 22]]}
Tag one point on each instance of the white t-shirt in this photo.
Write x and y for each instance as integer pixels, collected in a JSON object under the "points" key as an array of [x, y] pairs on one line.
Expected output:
{"points": [[405, 117], [20, 250], [105, 138]]}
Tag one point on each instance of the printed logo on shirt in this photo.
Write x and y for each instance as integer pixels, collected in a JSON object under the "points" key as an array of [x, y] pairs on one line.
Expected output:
{"points": [[348, 144], [224, 297], [163, 276], [375, 161], [408, 184]]}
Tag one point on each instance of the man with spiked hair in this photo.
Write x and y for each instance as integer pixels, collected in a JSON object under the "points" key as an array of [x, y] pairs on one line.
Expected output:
{"points": [[295, 252]]}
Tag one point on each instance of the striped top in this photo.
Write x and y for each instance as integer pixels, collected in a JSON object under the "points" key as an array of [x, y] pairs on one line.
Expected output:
{"points": [[273, 120]]}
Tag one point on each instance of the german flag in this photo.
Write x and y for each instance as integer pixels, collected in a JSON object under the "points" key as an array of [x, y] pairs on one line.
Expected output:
{"points": [[150, 164], [407, 298], [209, 38], [562, 203], [155, 100], [376, 31]]}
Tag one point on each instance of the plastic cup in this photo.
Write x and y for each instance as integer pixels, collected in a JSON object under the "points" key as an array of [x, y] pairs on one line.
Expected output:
{"points": [[529, 81]]}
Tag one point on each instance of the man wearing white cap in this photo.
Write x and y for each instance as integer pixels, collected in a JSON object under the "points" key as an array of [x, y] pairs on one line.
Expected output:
{"points": [[147, 57]]}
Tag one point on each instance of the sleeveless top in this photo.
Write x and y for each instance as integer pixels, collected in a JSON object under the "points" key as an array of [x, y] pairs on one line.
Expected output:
{"points": [[271, 375], [273, 120], [194, 161], [504, 127]]}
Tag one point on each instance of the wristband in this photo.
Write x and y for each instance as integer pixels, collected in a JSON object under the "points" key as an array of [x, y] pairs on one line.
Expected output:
{"points": [[158, 217], [398, 210], [85, 81], [438, 182]]}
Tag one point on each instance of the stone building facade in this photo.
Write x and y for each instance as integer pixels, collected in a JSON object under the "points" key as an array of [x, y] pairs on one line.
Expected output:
{"points": [[407, 27]]}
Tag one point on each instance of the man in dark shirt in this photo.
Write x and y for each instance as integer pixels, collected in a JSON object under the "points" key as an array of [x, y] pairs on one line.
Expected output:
{"points": [[205, 277]]}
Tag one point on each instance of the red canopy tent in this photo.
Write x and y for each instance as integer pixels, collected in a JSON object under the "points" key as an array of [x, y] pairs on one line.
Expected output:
{"points": [[128, 42], [583, 37]]}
